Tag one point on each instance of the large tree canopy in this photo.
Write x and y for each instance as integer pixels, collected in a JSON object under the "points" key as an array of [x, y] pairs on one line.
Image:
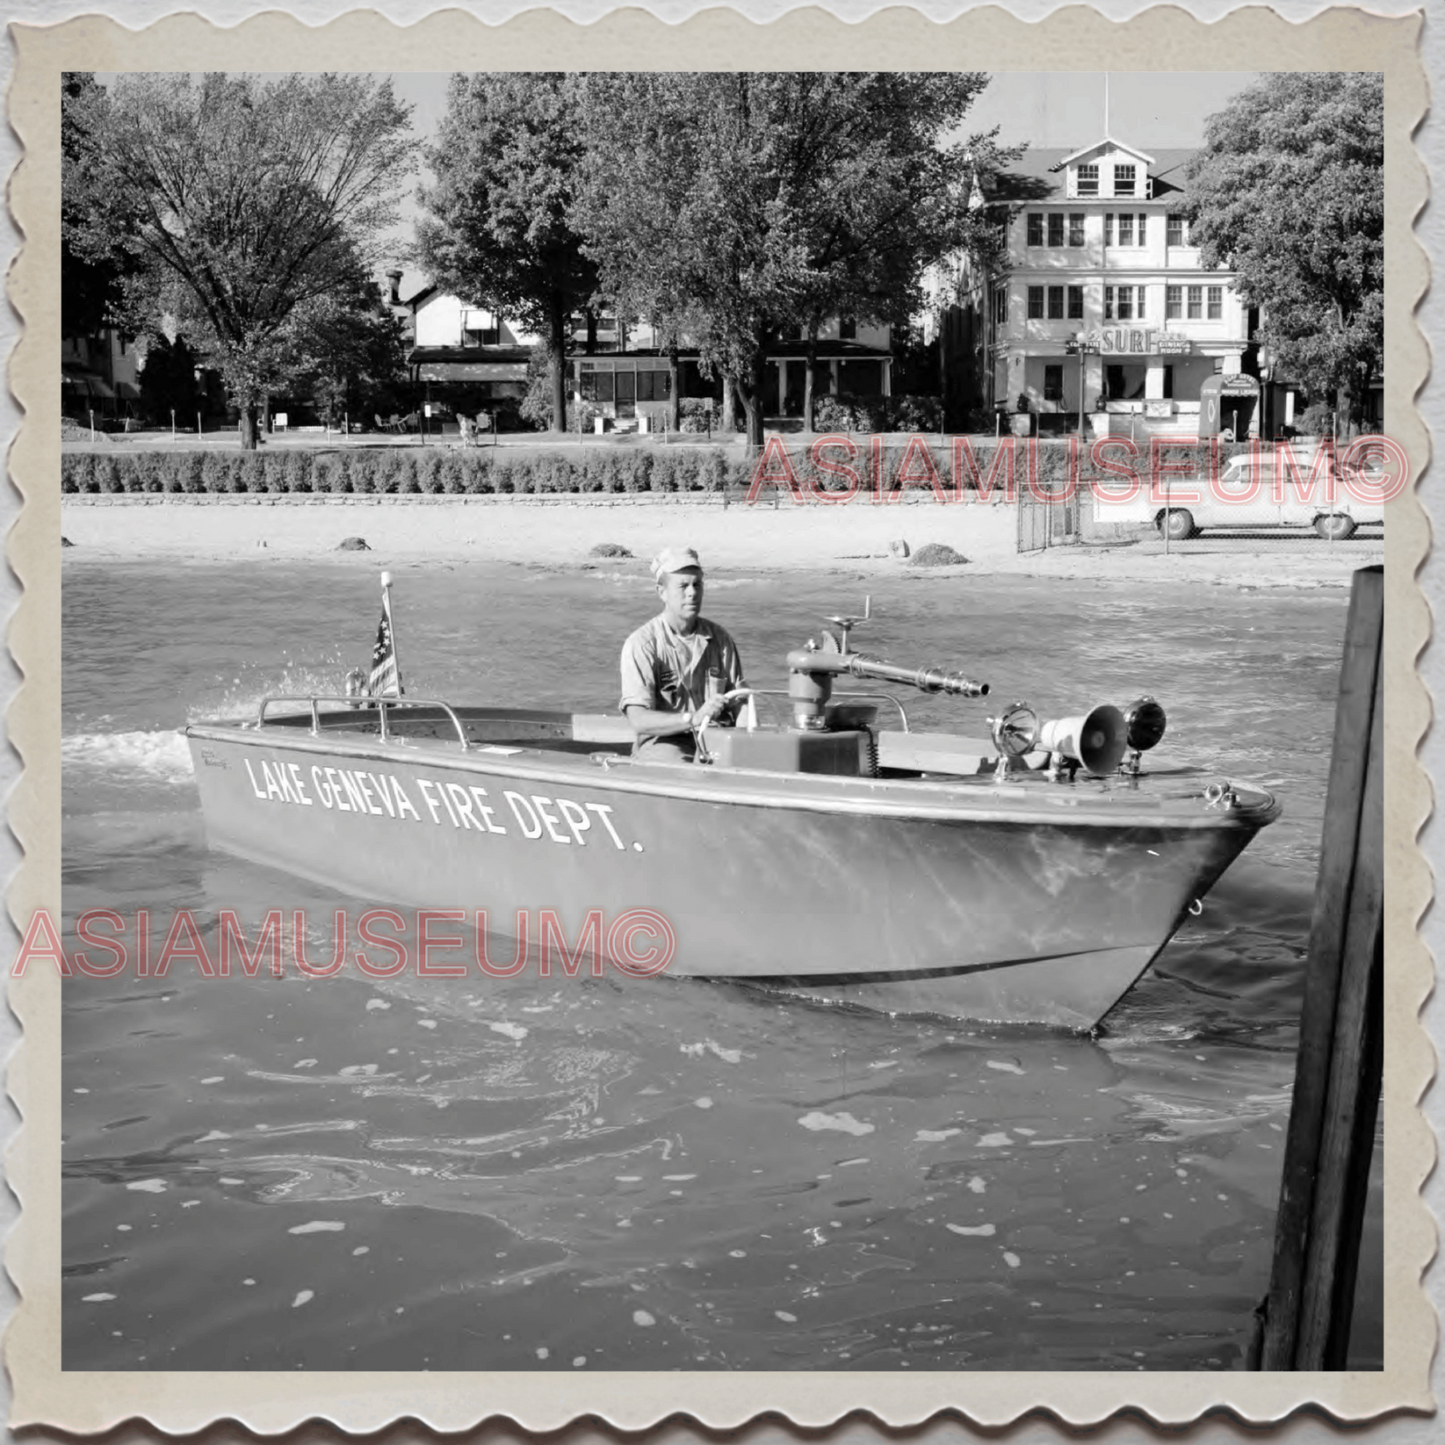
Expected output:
{"points": [[507, 160], [89, 284], [243, 199], [1288, 191], [725, 206]]}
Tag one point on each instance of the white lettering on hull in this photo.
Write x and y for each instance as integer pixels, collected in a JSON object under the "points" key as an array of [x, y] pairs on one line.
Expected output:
{"points": [[467, 808]]}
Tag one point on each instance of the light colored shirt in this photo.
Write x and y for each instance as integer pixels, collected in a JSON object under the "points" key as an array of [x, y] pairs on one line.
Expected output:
{"points": [[665, 670]]}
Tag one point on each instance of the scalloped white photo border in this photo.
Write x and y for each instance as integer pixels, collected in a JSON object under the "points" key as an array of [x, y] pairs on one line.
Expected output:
{"points": [[988, 38]]}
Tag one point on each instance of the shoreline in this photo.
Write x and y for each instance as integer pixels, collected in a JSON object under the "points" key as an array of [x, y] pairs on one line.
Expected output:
{"points": [[781, 535]]}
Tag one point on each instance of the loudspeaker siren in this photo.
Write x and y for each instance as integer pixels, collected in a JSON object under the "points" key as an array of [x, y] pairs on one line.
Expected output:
{"points": [[1097, 739]]}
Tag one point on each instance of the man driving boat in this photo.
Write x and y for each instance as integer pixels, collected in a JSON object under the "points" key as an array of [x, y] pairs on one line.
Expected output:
{"points": [[677, 668]]}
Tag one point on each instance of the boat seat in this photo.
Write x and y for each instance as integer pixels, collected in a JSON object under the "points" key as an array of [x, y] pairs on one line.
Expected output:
{"points": [[601, 727]]}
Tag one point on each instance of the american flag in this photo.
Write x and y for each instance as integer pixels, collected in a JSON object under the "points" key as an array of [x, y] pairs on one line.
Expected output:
{"points": [[385, 679]]}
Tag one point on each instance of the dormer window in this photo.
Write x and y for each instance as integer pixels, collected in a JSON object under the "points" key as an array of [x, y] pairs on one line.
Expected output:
{"points": [[1087, 180], [1124, 180], [479, 328]]}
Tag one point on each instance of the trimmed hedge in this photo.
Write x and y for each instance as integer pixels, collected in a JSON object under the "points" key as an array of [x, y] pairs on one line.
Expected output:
{"points": [[437, 471], [382, 470]]}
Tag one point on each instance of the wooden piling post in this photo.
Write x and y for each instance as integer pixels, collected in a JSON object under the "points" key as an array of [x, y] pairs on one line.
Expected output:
{"points": [[1338, 1072]]}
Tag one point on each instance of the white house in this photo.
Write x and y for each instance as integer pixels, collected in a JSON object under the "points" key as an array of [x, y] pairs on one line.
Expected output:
{"points": [[1105, 305]]}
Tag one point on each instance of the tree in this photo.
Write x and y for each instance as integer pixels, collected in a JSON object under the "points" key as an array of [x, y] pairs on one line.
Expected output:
{"points": [[245, 199], [89, 286], [348, 350], [723, 207], [1288, 191], [507, 160]]}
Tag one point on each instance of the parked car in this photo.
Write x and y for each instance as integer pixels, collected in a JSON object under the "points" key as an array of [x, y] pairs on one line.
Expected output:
{"points": [[1245, 495]]}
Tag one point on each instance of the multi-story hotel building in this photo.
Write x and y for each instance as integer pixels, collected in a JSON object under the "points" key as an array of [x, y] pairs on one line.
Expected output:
{"points": [[1105, 307]]}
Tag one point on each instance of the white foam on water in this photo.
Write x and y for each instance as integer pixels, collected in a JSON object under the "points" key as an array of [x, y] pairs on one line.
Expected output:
{"points": [[844, 1123], [163, 756]]}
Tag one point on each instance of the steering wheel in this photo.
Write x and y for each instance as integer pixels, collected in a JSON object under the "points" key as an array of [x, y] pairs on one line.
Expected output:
{"points": [[703, 753]]}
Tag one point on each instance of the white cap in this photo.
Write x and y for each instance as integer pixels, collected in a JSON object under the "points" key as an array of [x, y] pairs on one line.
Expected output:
{"points": [[674, 559]]}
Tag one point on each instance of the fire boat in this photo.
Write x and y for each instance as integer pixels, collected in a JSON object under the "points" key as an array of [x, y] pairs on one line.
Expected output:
{"points": [[821, 845]]}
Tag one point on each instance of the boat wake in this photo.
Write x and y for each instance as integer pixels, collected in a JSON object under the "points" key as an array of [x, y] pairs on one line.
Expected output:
{"points": [[158, 756]]}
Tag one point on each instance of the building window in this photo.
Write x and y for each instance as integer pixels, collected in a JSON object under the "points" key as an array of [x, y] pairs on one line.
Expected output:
{"points": [[1056, 228], [1076, 303], [1216, 303], [1143, 229], [1036, 228], [1196, 302], [1139, 303], [1036, 303], [1173, 303], [1056, 303], [1109, 228], [1076, 228], [847, 328], [1123, 180], [1108, 303], [1088, 180], [1053, 383], [653, 386], [1174, 231], [1000, 305], [596, 385], [1168, 382], [1126, 303], [1126, 229]]}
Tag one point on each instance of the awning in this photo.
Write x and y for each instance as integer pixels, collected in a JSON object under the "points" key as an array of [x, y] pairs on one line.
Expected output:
{"points": [[87, 383], [472, 371]]}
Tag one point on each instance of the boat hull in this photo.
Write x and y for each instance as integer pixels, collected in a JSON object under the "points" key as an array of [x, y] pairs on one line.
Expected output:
{"points": [[1034, 904]]}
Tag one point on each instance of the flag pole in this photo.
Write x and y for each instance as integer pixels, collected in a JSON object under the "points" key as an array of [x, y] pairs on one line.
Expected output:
{"points": [[391, 627]]}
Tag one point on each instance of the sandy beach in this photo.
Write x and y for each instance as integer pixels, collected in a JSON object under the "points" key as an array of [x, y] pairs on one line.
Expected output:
{"points": [[561, 531]]}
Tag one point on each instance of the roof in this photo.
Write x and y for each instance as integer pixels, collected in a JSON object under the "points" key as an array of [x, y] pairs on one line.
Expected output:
{"points": [[1107, 141], [1040, 174]]}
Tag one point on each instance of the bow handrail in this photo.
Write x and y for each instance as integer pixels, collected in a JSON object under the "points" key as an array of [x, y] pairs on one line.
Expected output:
{"points": [[382, 704]]}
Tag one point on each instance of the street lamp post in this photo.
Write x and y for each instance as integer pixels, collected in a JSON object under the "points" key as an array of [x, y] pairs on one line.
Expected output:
{"points": [[1077, 344]]}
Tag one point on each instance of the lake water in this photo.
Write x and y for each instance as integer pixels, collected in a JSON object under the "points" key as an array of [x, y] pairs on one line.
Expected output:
{"points": [[479, 1175]]}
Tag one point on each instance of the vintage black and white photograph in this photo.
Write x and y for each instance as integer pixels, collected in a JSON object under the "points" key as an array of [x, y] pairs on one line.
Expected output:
{"points": [[722, 720]]}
